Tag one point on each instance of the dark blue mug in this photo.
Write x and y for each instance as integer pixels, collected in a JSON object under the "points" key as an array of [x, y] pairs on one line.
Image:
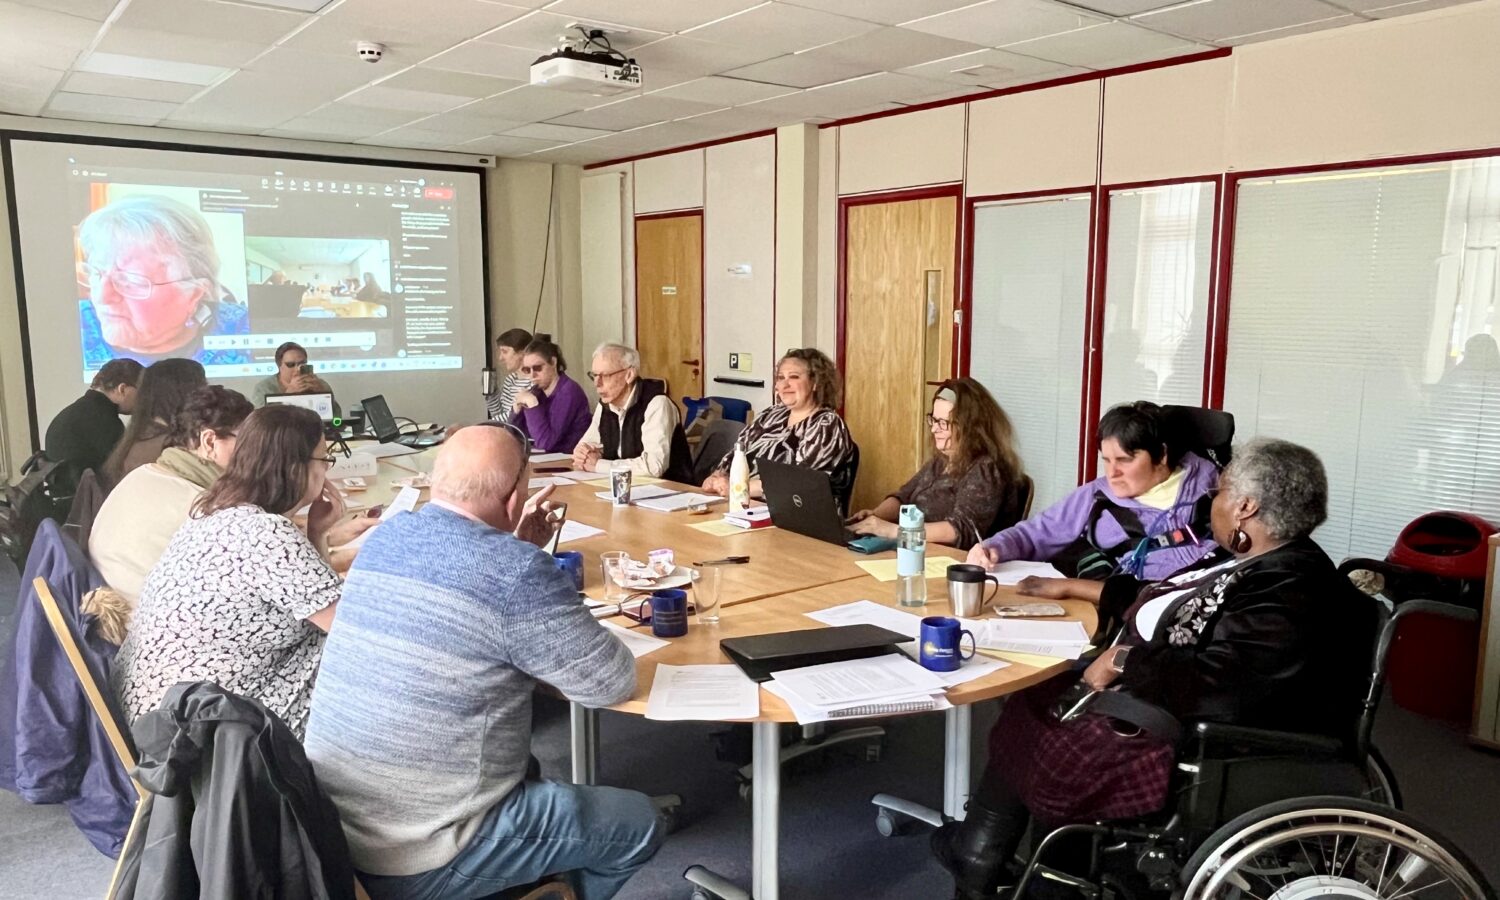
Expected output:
{"points": [[571, 561], [668, 611], [942, 644]]}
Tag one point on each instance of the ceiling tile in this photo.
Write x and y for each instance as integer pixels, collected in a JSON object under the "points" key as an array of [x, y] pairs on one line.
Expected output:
{"points": [[98, 10], [990, 68], [441, 81], [1273, 34], [283, 85], [530, 104], [697, 58], [462, 120], [634, 112], [31, 78], [995, 23], [854, 98], [801, 70], [718, 89], [307, 6], [409, 29], [1124, 7], [1107, 46], [209, 18], [483, 58], [542, 31], [22, 101], [562, 134], [94, 104], [323, 73], [41, 37], [381, 97], [893, 48], [414, 136], [137, 88], [315, 128], [230, 54], [1403, 9], [343, 115], [886, 12], [743, 119], [142, 67], [1215, 20], [783, 28], [505, 146], [668, 16], [572, 155]]}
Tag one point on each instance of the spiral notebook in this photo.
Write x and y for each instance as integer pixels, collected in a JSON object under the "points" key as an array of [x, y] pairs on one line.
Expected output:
{"points": [[809, 713]]}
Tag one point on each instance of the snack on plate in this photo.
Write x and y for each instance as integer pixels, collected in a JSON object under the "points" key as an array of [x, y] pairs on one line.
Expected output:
{"points": [[1030, 609], [413, 481], [355, 484], [662, 563]]}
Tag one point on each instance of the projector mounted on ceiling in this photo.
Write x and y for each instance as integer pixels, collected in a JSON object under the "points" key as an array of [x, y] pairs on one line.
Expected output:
{"points": [[587, 64]]}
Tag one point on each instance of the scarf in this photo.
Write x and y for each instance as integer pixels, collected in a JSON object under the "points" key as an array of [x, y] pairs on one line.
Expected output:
{"points": [[189, 466]]}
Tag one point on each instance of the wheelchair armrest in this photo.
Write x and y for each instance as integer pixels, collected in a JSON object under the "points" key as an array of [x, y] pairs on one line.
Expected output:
{"points": [[1437, 608], [1208, 735]]}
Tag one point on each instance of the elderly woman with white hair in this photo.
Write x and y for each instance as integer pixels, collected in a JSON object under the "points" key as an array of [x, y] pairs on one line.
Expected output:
{"points": [[635, 422], [152, 273], [1264, 633]]}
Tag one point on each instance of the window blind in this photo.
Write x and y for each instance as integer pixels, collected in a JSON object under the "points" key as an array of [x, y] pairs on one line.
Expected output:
{"points": [[1156, 294], [1031, 261], [1360, 325]]}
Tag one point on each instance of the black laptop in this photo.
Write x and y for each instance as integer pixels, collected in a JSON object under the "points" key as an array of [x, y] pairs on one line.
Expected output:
{"points": [[801, 500], [383, 425]]}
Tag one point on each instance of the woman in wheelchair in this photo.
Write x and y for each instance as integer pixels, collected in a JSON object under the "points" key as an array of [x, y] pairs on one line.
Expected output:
{"points": [[1263, 633]]}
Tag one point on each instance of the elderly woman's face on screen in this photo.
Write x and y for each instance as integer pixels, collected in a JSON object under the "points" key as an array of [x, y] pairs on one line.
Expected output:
{"points": [[145, 298]]}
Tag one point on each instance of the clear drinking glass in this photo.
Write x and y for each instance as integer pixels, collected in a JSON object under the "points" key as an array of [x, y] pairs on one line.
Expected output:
{"points": [[612, 566], [706, 587]]}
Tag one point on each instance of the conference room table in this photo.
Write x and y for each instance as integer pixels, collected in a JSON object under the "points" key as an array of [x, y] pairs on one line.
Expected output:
{"points": [[788, 576]]}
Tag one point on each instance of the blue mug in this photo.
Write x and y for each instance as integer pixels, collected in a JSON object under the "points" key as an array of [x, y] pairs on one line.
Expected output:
{"points": [[668, 610], [571, 561], [942, 644]]}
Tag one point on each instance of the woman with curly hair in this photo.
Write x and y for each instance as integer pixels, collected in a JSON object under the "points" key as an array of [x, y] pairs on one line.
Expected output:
{"points": [[802, 429]]}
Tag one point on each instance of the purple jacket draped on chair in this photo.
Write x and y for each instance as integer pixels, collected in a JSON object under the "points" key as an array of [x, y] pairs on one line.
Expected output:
{"points": [[557, 423]]}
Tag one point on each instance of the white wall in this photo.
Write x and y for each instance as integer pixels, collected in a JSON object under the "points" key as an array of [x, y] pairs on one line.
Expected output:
{"points": [[739, 232], [668, 183], [918, 148]]}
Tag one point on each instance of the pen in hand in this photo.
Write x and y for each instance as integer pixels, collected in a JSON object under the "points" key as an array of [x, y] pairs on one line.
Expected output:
{"points": [[726, 561]]}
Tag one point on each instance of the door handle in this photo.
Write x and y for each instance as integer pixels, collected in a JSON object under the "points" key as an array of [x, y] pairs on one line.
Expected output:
{"points": [[691, 362]]}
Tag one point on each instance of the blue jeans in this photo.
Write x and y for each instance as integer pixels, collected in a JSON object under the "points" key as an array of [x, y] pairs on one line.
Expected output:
{"points": [[599, 835]]}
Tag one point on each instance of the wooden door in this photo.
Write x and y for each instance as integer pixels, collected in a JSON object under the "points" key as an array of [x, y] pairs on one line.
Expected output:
{"points": [[898, 332], [669, 301]]}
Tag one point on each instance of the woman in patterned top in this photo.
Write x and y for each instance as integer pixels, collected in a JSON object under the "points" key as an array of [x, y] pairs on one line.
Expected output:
{"points": [[241, 596], [803, 428], [973, 486], [1264, 633]]}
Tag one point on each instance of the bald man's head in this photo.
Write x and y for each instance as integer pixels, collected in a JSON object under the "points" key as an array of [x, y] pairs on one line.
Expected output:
{"points": [[478, 470]]}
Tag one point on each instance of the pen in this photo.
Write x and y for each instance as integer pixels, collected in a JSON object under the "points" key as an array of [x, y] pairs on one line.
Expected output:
{"points": [[726, 561]]}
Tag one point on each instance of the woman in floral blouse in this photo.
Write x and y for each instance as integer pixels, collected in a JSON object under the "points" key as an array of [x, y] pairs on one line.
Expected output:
{"points": [[973, 485]]}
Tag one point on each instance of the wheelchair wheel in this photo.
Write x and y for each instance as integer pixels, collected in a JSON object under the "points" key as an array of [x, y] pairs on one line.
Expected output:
{"points": [[1327, 848], [1382, 781]]}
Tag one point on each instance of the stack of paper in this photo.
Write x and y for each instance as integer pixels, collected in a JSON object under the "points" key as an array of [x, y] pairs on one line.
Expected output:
{"points": [[868, 612], [1014, 571], [878, 686], [538, 459], [885, 569], [708, 693], [1063, 640], [576, 531]]}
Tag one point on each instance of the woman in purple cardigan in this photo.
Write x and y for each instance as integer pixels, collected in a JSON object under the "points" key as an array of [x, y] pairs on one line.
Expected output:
{"points": [[554, 411]]}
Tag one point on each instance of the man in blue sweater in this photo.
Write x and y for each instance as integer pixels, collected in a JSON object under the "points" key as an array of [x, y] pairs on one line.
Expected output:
{"points": [[421, 720]]}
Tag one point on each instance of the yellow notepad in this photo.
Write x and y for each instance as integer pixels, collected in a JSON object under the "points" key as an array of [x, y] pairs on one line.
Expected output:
{"points": [[1025, 659], [885, 569], [719, 528]]}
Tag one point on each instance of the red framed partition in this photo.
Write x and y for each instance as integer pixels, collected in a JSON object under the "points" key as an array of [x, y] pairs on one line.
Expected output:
{"points": [[1094, 360], [970, 207], [841, 239]]}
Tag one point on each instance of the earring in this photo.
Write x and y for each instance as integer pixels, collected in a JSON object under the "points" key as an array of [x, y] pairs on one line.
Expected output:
{"points": [[1239, 542]]}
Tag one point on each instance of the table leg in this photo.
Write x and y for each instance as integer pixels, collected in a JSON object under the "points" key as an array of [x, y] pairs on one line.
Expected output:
{"points": [[766, 812], [585, 743], [956, 772]]}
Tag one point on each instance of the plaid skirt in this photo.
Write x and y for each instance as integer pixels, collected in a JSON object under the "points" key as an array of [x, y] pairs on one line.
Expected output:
{"points": [[1080, 771]]}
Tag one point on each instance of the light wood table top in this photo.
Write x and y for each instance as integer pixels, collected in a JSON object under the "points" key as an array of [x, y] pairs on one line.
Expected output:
{"points": [[700, 646]]}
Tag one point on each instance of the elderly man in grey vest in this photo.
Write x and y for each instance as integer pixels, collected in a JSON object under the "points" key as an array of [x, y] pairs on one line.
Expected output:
{"points": [[635, 422]]}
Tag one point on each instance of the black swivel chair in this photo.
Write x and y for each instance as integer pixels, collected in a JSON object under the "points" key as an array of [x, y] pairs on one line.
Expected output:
{"points": [[718, 439]]}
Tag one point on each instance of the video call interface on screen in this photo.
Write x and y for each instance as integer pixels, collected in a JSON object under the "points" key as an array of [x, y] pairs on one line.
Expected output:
{"points": [[364, 274]]}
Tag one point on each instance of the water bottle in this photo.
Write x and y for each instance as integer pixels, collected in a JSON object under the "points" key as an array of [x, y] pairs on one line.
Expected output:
{"points": [[911, 558], [739, 481]]}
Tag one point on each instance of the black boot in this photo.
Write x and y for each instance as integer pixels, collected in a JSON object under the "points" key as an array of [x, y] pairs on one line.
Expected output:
{"points": [[975, 851]]}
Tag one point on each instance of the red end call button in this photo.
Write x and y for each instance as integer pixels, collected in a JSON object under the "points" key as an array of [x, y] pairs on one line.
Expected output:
{"points": [[437, 193]]}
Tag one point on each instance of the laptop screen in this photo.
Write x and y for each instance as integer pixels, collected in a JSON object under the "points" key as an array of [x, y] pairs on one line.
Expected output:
{"points": [[322, 404], [378, 416]]}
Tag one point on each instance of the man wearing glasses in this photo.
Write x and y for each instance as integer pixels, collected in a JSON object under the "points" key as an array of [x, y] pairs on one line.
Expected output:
{"points": [[293, 376], [635, 421]]}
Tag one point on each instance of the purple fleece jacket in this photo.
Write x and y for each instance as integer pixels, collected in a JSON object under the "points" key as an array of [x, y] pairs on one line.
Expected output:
{"points": [[1041, 538], [557, 423]]}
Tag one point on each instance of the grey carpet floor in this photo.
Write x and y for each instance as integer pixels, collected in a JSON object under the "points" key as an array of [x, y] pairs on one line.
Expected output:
{"points": [[829, 845]]}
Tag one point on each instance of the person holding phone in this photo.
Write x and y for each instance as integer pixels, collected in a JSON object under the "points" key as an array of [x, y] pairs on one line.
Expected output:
{"points": [[294, 375]]}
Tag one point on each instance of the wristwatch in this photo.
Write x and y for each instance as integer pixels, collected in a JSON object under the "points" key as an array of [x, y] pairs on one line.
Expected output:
{"points": [[1118, 661]]}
